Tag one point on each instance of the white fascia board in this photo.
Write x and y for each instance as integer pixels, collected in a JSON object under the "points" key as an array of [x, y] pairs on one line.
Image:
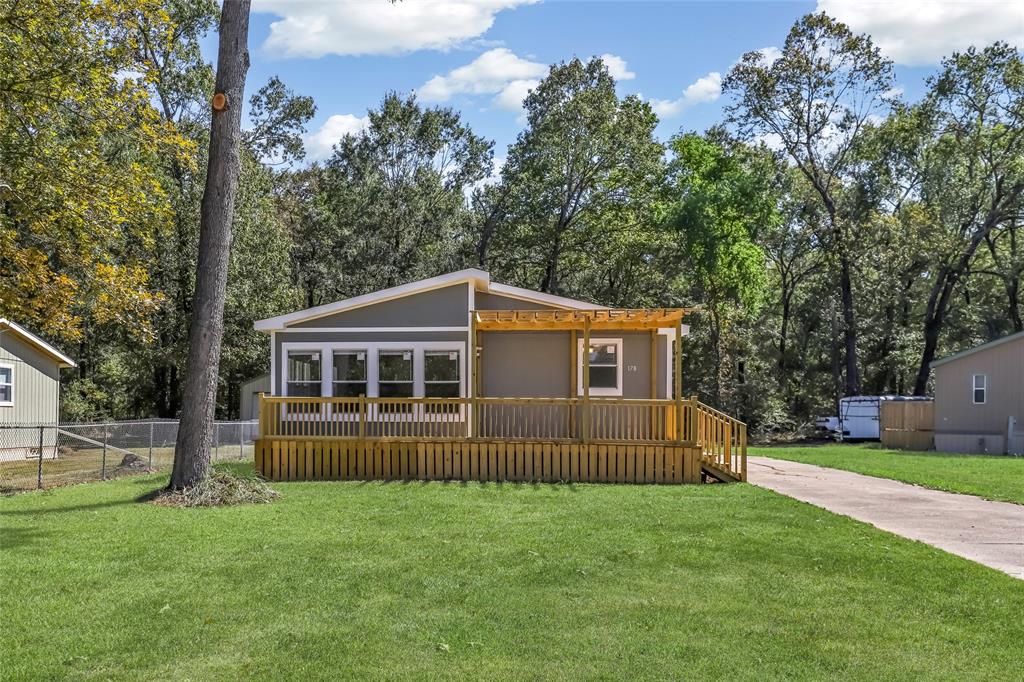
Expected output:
{"points": [[62, 360], [540, 297], [282, 321]]}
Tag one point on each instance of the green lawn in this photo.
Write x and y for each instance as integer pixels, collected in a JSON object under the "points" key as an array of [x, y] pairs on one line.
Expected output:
{"points": [[486, 581], [995, 478]]}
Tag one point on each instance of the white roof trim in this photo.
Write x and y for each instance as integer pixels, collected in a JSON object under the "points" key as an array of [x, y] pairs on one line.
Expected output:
{"points": [[282, 321], [478, 278], [972, 351], [62, 360], [541, 297]]}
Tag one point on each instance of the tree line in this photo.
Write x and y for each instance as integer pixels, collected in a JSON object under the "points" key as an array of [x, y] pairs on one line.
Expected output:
{"points": [[837, 237]]}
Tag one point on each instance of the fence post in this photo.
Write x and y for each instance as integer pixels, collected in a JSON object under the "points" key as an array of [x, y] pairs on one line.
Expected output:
{"points": [[241, 449], [150, 445], [216, 442], [362, 417], [103, 463], [39, 475]]}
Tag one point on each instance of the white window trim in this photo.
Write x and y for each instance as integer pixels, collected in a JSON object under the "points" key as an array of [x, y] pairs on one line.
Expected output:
{"points": [[983, 388], [8, 403], [611, 392], [372, 349]]}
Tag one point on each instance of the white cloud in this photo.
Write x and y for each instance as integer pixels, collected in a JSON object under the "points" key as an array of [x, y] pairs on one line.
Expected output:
{"points": [[319, 144], [314, 28], [770, 54], [617, 67], [916, 32], [492, 72], [705, 89], [512, 95]]}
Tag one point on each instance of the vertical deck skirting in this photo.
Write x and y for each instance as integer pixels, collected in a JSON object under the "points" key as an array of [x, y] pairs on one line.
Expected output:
{"points": [[292, 459]]}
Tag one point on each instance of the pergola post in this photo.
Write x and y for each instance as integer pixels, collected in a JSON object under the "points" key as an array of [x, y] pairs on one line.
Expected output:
{"points": [[679, 379], [573, 383], [474, 374], [586, 378]]}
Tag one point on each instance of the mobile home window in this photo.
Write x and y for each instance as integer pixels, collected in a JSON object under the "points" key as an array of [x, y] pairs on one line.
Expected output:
{"points": [[441, 373], [349, 373], [980, 389], [395, 374], [6, 385], [605, 367], [303, 373]]}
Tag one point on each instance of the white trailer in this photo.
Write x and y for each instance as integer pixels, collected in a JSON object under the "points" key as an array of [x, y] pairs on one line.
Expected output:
{"points": [[858, 417]]}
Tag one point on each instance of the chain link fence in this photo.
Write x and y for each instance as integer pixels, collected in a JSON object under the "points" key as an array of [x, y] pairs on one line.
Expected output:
{"points": [[48, 455]]}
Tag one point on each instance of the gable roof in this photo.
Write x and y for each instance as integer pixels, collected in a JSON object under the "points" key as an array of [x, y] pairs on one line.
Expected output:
{"points": [[480, 280], [33, 340], [984, 346]]}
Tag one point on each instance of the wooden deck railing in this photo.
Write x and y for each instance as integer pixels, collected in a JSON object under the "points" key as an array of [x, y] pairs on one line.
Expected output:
{"points": [[721, 439]]}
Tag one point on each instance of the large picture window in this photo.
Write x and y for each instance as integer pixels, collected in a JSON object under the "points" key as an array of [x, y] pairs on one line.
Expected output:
{"points": [[6, 385], [605, 367], [441, 374]]}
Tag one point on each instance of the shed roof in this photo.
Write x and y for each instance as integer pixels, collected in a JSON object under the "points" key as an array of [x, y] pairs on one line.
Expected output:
{"points": [[972, 351], [33, 340]]}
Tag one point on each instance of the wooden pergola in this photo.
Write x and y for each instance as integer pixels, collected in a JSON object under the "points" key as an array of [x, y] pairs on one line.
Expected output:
{"points": [[585, 322]]}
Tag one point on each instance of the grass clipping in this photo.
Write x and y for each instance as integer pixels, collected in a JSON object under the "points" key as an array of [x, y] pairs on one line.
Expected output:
{"points": [[219, 489]]}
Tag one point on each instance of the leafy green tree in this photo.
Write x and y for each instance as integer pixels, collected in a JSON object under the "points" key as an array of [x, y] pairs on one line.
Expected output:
{"points": [[393, 200], [80, 199], [580, 189], [815, 101], [724, 198], [972, 172]]}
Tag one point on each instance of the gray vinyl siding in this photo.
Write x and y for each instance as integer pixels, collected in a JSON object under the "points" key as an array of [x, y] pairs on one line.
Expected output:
{"points": [[36, 383], [446, 307], [538, 364], [36, 389], [486, 301]]}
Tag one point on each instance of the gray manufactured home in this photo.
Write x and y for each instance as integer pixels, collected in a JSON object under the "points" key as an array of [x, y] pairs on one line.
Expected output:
{"points": [[458, 377], [411, 341], [979, 398]]}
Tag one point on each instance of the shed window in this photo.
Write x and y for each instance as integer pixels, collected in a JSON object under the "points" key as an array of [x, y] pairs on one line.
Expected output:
{"points": [[980, 386], [303, 373], [605, 367], [6, 385]]}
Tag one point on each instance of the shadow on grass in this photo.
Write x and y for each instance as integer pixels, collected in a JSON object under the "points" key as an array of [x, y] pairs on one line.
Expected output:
{"points": [[21, 537]]}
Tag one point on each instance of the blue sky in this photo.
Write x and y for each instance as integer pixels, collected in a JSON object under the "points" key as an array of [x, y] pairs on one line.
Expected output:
{"points": [[483, 55]]}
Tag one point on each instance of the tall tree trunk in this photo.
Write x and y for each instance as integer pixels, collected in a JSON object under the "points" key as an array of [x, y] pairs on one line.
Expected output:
{"points": [[206, 329], [849, 326]]}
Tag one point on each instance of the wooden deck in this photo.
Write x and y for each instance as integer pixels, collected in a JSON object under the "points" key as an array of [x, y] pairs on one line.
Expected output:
{"points": [[498, 439]]}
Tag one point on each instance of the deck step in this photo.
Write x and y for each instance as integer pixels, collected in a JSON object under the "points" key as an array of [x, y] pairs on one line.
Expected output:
{"points": [[717, 473]]}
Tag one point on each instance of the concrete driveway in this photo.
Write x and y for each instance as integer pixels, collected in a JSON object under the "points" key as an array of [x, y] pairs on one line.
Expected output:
{"points": [[991, 533]]}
